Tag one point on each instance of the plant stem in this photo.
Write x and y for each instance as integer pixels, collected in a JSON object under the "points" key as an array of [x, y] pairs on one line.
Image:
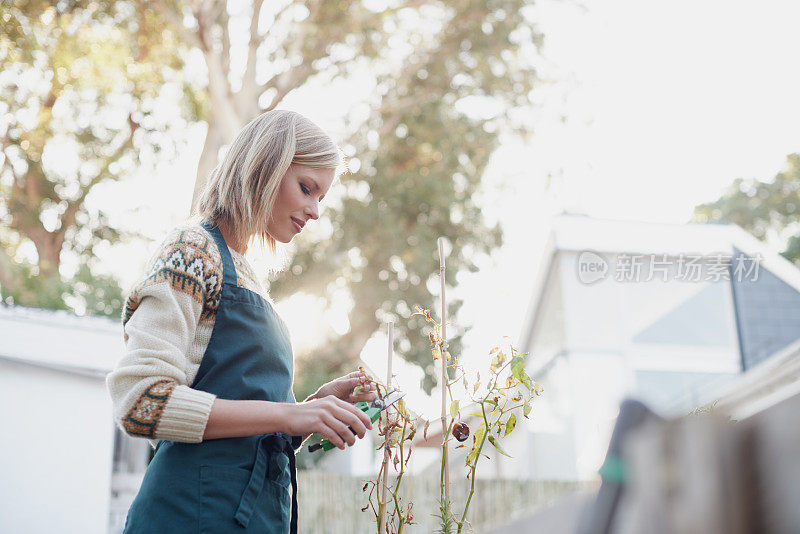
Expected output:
{"points": [[445, 467], [474, 467], [399, 478], [384, 484], [379, 513]]}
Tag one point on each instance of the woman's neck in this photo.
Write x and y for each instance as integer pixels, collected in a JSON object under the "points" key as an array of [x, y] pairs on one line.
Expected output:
{"points": [[230, 240]]}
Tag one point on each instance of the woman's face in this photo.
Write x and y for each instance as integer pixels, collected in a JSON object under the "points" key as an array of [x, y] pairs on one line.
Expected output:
{"points": [[299, 195]]}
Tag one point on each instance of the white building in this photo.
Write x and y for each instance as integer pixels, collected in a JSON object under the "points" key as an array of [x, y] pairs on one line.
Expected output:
{"points": [[65, 467], [666, 313]]}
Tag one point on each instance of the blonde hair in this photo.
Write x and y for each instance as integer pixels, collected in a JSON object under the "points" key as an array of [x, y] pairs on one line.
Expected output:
{"points": [[242, 189]]}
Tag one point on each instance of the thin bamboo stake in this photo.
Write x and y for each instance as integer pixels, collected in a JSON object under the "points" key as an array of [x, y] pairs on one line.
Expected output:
{"points": [[443, 356], [385, 468]]}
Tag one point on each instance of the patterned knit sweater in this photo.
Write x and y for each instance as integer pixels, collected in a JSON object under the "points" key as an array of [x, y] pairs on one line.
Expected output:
{"points": [[167, 322]]}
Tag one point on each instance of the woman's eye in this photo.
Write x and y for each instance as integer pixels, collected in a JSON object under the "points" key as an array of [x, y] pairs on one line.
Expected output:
{"points": [[305, 189]]}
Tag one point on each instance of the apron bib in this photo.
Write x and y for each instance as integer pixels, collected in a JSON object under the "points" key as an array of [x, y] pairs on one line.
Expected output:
{"points": [[229, 485]]}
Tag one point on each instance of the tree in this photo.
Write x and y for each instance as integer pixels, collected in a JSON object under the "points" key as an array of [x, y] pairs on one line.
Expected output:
{"points": [[79, 92], [761, 207], [420, 153]]}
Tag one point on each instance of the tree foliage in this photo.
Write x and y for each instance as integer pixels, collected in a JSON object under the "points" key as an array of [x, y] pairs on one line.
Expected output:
{"points": [[80, 94], [761, 207], [447, 76], [450, 77]]}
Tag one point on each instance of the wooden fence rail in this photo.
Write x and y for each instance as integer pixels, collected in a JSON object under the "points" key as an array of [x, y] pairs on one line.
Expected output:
{"points": [[703, 474], [331, 503]]}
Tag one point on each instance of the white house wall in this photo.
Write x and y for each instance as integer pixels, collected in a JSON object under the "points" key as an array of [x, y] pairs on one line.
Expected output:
{"points": [[56, 451], [549, 336], [593, 313], [572, 421], [60, 339], [594, 345], [570, 424]]}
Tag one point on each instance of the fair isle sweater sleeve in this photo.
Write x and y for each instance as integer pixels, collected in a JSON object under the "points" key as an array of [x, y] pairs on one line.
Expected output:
{"points": [[164, 316]]}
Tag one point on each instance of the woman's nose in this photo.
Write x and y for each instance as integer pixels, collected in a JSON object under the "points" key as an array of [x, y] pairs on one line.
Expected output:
{"points": [[313, 211]]}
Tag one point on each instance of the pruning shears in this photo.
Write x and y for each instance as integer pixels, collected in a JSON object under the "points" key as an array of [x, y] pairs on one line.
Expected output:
{"points": [[372, 409]]}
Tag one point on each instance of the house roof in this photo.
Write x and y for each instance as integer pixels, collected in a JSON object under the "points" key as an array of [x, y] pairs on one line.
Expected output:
{"points": [[59, 340], [767, 384], [577, 233]]}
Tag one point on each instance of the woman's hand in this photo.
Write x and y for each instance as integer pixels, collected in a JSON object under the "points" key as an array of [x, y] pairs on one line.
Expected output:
{"points": [[344, 388], [330, 416]]}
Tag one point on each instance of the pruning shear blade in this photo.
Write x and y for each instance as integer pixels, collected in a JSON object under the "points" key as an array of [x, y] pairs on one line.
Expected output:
{"points": [[390, 398]]}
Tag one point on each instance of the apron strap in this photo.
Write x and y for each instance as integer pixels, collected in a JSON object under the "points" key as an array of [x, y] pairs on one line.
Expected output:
{"points": [[228, 268], [267, 444], [293, 470]]}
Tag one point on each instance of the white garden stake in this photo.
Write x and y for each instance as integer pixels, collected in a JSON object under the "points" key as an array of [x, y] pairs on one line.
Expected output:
{"points": [[443, 356], [385, 477]]}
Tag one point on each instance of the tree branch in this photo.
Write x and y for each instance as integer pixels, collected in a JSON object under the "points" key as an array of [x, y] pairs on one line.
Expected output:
{"points": [[411, 4], [249, 87], [68, 217], [4, 142], [286, 82], [8, 282], [219, 89], [226, 44], [277, 18], [214, 8]]}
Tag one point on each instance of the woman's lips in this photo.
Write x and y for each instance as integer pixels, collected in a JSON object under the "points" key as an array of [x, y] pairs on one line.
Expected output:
{"points": [[296, 225]]}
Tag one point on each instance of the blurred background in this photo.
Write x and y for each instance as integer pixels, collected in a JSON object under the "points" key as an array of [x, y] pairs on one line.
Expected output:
{"points": [[539, 139]]}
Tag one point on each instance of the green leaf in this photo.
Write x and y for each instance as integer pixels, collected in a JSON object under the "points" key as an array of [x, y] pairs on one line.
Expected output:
{"points": [[526, 409], [476, 443], [454, 409], [476, 414], [510, 424], [478, 435], [493, 441], [518, 370], [472, 455], [475, 387]]}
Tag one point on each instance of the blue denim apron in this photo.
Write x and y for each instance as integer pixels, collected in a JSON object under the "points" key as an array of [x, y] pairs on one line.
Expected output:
{"points": [[231, 485]]}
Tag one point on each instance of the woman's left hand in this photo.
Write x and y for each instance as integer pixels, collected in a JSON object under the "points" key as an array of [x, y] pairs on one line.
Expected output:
{"points": [[345, 388]]}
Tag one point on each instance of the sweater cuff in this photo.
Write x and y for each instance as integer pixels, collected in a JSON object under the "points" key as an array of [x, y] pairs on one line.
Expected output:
{"points": [[185, 416]]}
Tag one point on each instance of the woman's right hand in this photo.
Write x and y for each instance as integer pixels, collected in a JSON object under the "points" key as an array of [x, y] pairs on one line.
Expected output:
{"points": [[329, 416]]}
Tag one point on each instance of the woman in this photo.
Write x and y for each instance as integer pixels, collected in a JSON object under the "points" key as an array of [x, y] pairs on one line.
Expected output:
{"points": [[208, 367]]}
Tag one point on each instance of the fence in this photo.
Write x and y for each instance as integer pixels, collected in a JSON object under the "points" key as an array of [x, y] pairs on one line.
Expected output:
{"points": [[331, 503], [703, 474]]}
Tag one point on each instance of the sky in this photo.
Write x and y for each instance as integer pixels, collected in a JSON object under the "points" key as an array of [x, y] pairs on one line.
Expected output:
{"points": [[646, 110]]}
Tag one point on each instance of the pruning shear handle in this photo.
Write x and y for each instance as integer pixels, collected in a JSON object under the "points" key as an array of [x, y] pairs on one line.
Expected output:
{"points": [[373, 411]]}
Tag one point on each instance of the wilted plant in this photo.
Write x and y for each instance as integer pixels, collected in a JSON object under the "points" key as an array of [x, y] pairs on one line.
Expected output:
{"points": [[397, 426], [507, 391]]}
